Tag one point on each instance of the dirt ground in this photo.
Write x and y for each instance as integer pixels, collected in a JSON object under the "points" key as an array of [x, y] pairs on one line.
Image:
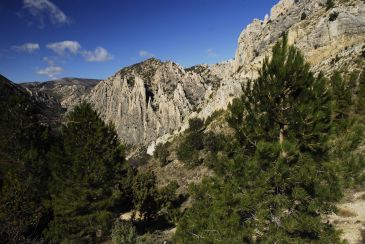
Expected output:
{"points": [[351, 217]]}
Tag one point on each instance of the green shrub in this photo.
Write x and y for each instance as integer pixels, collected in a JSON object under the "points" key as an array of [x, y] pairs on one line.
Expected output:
{"points": [[195, 124], [213, 142], [124, 232], [161, 153], [169, 202], [333, 16], [329, 4], [214, 116], [188, 154], [192, 143], [145, 194], [303, 16]]}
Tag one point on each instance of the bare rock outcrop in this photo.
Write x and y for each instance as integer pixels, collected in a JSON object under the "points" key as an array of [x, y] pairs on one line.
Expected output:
{"points": [[149, 99], [320, 33]]}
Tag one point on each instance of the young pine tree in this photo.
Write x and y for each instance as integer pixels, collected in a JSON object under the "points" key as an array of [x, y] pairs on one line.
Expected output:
{"points": [[276, 182], [85, 174]]}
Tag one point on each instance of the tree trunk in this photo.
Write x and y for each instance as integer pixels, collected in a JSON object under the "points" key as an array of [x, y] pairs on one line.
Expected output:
{"points": [[281, 139]]}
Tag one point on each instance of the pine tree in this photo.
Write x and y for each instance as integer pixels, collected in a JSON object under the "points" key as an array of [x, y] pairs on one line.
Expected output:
{"points": [[286, 103], [276, 180], [85, 176], [342, 101]]}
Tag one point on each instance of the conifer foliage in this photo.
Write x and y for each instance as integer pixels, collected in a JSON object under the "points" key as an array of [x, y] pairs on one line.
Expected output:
{"points": [[276, 179], [85, 174]]}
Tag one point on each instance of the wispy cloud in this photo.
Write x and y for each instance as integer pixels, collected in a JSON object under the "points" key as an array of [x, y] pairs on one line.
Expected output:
{"points": [[27, 47], [211, 53], [45, 9], [61, 47], [52, 70], [100, 54], [146, 54]]}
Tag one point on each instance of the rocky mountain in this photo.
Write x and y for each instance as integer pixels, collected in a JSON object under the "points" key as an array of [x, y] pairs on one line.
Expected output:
{"points": [[66, 91], [330, 38], [152, 98], [151, 101]]}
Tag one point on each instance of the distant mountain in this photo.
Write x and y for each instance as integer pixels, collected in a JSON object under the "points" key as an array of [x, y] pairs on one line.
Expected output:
{"points": [[12, 94], [66, 91]]}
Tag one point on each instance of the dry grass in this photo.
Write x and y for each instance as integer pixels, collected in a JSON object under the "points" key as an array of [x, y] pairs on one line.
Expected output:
{"points": [[346, 213]]}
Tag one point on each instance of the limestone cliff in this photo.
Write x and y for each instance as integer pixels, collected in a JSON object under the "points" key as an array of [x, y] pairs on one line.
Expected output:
{"points": [[151, 99], [324, 35]]}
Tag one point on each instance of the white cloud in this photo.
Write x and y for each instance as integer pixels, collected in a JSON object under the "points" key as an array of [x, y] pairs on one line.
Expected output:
{"points": [[27, 47], [100, 54], [211, 53], [146, 54], [60, 47], [45, 8], [49, 61], [50, 71]]}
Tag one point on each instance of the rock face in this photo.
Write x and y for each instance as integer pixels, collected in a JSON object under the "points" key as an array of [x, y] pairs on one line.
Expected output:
{"points": [[151, 99], [320, 33]]}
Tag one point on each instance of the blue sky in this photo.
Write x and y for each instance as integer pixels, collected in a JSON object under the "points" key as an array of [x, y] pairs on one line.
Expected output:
{"points": [[47, 39]]}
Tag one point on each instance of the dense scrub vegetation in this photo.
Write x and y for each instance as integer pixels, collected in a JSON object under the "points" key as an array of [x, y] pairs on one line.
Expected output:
{"points": [[70, 185]]}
